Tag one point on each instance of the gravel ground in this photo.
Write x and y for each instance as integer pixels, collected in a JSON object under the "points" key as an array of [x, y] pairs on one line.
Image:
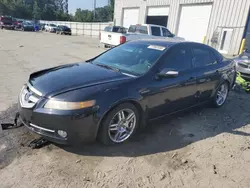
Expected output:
{"points": [[204, 147]]}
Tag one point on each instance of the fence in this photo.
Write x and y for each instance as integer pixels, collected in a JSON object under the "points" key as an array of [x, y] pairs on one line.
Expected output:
{"points": [[82, 28]]}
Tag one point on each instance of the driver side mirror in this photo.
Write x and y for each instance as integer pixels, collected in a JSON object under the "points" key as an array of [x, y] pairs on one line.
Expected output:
{"points": [[167, 73]]}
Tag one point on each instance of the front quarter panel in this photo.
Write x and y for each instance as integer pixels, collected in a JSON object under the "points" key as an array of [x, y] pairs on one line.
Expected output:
{"points": [[107, 96]]}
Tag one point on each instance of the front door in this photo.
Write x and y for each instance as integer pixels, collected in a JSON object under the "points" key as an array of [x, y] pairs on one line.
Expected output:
{"points": [[172, 94]]}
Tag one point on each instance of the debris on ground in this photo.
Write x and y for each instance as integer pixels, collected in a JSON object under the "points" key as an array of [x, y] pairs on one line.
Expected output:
{"points": [[184, 161], [39, 143], [174, 155], [214, 168], [78, 161]]}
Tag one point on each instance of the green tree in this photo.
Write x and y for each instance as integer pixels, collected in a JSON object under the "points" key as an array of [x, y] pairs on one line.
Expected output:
{"points": [[36, 11]]}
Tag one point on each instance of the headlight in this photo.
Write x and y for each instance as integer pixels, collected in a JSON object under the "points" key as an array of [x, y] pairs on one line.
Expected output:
{"points": [[62, 105]]}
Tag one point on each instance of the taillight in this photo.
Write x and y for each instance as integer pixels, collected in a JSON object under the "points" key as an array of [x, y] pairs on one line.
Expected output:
{"points": [[122, 39]]}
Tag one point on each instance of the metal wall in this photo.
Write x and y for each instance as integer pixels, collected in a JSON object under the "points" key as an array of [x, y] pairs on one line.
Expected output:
{"points": [[82, 28], [225, 14]]}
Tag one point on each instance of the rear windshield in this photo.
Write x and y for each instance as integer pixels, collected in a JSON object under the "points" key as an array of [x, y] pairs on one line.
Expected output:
{"points": [[108, 29], [138, 29]]}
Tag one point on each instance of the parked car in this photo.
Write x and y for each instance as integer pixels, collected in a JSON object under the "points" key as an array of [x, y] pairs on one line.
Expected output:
{"points": [[63, 30], [50, 28], [27, 26], [144, 31], [112, 95], [18, 24], [42, 27], [6, 22], [243, 64]]}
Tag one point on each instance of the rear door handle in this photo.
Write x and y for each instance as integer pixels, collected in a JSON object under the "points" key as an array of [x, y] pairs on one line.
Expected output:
{"points": [[191, 78]]}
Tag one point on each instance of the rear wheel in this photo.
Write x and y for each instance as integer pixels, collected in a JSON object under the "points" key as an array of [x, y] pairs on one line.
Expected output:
{"points": [[221, 95], [119, 125]]}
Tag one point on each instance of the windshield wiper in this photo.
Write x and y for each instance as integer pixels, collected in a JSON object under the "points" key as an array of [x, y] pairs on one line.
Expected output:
{"points": [[109, 67]]}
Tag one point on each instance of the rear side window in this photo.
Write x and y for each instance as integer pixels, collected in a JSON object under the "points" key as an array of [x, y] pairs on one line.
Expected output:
{"points": [[203, 57], [179, 59], [156, 31], [138, 29]]}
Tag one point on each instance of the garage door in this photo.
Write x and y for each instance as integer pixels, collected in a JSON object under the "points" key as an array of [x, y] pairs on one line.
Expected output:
{"points": [[157, 16], [130, 17], [194, 22]]}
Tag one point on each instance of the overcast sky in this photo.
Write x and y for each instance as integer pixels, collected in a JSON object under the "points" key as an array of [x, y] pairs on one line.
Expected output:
{"points": [[85, 4]]}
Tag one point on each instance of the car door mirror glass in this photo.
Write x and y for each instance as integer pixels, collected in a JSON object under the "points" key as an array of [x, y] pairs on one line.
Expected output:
{"points": [[167, 73]]}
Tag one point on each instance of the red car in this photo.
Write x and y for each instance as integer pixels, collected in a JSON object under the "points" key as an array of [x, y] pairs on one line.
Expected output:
{"points": [[17, 24], [6, 22]]}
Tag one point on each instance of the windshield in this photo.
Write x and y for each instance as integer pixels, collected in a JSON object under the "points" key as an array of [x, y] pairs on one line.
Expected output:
{"points": [[27, 23], [53, 25], [132, 58]]}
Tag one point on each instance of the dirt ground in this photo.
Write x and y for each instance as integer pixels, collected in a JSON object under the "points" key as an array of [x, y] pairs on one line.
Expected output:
{"points": [[204, 147]]}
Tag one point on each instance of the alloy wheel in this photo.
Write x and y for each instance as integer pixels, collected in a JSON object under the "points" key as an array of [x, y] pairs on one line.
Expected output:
{"points": [[122, 125], [221, 95]]}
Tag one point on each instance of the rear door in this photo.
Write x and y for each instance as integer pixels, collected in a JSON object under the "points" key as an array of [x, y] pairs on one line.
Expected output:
{"points": [[208, 71]]}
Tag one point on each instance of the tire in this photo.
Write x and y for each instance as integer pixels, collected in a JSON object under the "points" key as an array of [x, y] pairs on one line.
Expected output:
{"points": [[122, 132], [220, 99]]}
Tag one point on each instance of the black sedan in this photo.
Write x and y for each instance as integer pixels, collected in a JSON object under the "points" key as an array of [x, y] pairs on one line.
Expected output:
{"points": [[63, 30], [26, 26], [112, 95]]}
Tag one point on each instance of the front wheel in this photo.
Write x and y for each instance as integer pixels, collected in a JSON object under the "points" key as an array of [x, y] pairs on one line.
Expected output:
{"points": [[119, 125], [221, 95]]}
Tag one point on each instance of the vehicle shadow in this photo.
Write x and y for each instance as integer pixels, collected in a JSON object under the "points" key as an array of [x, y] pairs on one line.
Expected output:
{"points": [[179, 130]]}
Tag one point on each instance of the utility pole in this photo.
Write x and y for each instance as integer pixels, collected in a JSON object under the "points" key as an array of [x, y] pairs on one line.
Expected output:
{"points": [[94, 8]]}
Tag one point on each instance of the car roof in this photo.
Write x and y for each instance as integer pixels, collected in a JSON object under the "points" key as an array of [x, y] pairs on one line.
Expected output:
{"points": [[168, 42], [159, 42]]}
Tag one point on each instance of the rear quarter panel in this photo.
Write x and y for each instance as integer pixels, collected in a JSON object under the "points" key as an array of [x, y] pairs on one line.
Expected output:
{"points": [[227, 70]]}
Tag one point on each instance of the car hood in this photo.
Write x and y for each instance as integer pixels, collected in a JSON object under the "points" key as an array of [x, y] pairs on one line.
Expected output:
{"points": [[243, 58], [69, 77]]}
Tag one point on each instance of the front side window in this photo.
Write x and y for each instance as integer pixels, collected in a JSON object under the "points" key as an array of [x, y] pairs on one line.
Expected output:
{"points": [[203, 57], [179, 59], [134, 57], [156, 31], [166, 32]]}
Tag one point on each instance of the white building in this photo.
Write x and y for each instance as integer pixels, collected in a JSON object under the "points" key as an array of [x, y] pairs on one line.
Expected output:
{"points": [[219, 23]]}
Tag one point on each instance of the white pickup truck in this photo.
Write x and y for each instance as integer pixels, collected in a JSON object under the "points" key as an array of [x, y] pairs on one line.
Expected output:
{"points": [[144, 31]]}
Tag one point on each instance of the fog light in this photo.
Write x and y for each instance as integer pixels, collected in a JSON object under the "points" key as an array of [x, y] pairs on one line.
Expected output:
{"points": [[62, 133]]}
